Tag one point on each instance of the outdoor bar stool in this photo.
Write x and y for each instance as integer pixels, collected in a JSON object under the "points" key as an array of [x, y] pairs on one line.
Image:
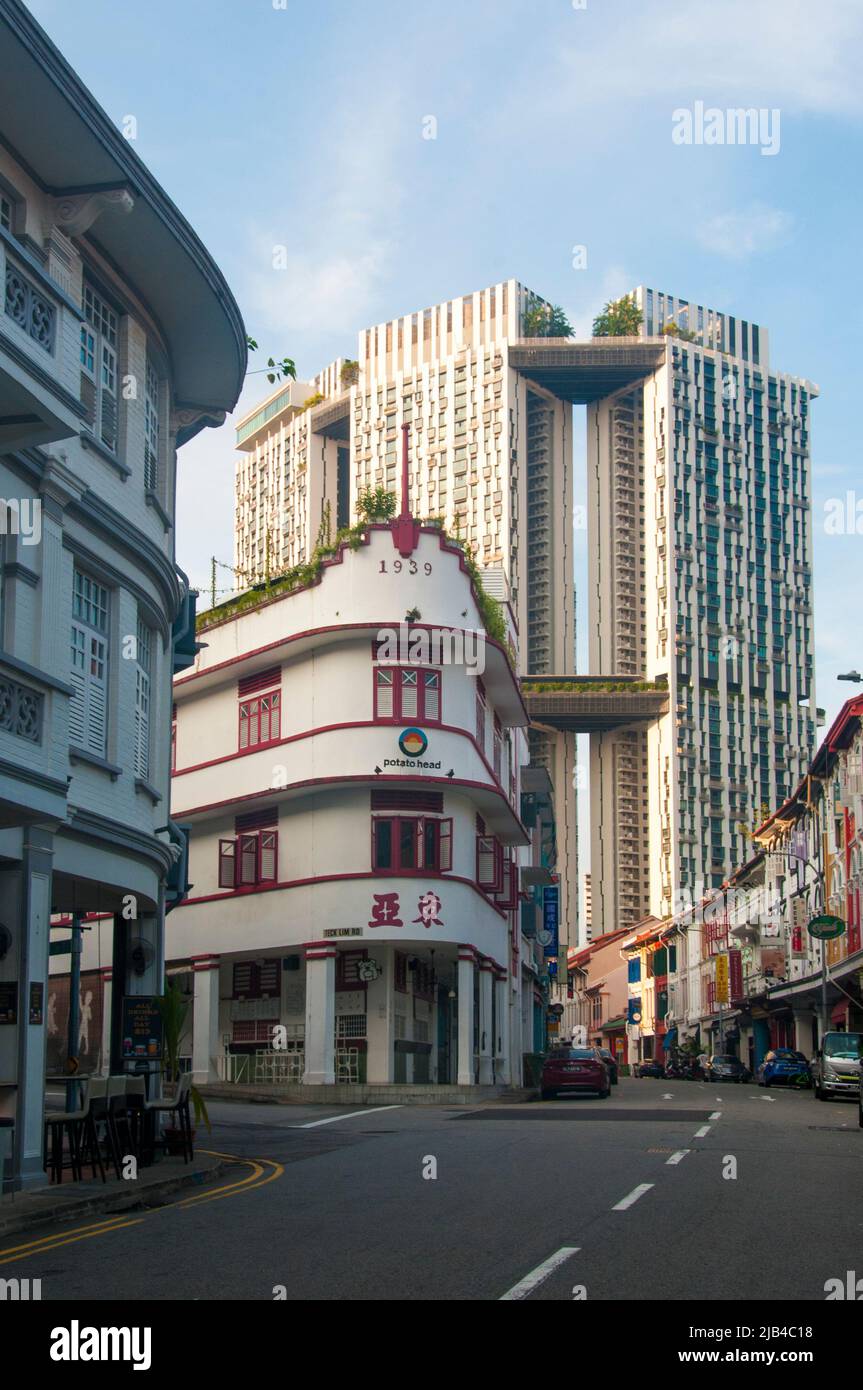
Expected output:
{"points": [[179, 1108], [94, 1105], [80, 1130], [117, 1120], [100, 1107], [136, 1097]]}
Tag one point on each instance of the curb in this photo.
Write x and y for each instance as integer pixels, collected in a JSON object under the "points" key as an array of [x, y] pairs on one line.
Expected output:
{"points": [[109, 1202]]}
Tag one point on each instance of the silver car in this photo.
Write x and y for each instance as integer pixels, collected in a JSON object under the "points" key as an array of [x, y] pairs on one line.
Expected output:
{"points": [[836, 1065]]}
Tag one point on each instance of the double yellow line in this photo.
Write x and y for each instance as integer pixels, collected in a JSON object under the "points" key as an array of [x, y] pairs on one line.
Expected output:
{"points": [[102, 1228]]}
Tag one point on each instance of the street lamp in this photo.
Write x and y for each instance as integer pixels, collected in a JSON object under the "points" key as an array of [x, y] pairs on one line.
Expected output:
{"points": [[853, 676]]}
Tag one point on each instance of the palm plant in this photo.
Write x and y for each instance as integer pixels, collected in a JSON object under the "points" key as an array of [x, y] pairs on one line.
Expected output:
{"points": [[173, 1009]]}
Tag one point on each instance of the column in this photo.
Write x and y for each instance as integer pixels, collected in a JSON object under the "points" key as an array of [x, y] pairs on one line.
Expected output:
{"points": [[486, 1023], [320, 1015], [33, 915], [466, 966], [107, 989], [379, 1019], [205, 1020], [502, 999]]}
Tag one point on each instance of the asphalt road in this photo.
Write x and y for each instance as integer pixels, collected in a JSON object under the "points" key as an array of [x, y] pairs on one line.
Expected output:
{"points": [[628, 1198]]}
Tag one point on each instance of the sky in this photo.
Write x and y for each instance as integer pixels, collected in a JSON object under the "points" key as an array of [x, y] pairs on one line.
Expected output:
{"points": [[301, 124]]}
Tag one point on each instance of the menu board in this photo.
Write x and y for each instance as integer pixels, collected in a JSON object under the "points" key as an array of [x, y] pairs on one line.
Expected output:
{"points": [[142, 1028]]}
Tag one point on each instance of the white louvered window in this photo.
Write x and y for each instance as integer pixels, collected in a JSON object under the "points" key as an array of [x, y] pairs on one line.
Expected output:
{"points": [[99, 368], [151, 429], [5, 213], [142, 699], [88, 708]]}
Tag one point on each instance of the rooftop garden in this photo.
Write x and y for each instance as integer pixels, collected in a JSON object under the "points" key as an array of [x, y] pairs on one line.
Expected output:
{"points": [[374, 506], [582, 687]]}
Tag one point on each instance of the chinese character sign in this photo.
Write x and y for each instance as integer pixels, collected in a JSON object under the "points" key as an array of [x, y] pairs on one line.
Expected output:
{"points": [[429, 906], [385, 910], [722, 979]]}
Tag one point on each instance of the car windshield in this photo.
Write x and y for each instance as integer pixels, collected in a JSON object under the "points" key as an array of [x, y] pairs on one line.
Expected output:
{"points": [[784, 1054], [844, 1045], [565, 1054], [724, 1058]]}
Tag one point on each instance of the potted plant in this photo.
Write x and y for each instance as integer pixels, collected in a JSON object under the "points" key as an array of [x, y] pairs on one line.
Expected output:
{"points": [[173, 1008]]}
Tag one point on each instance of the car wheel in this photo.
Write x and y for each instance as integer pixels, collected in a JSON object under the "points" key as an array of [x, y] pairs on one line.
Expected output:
{"points": [[614, 1081], [603, 1095], [766, 1085], [860, 1114], [547, 1095], [819, 1094]]}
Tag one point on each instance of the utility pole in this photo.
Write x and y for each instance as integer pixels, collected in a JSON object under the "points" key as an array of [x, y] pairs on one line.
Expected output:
{"points": [[74, 1027]]}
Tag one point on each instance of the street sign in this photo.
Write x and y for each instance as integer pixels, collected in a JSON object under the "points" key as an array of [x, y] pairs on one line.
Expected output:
{"points": [[551, 918], [825, 928], [556, 1009]]}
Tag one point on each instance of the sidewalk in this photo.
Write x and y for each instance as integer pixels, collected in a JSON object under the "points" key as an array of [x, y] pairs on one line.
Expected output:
{"points": [[353, 1093], [72, 1201]]}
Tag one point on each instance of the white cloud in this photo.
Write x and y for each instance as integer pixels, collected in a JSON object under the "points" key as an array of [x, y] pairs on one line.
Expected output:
{"points": [[745, 232], [793, 54]]}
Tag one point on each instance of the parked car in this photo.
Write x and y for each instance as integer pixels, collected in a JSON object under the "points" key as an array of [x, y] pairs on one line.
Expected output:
{"points": [[650, 1068], [574, 1069], [610, 1061], [782, 1066], [836, 1065], [724, 1067]]}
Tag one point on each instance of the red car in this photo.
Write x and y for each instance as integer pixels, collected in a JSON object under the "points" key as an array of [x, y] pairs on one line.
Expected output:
{"points": [[574, 1069]]}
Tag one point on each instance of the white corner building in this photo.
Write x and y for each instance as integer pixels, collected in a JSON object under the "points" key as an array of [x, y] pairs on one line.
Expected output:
{"points": [[354, 807]]}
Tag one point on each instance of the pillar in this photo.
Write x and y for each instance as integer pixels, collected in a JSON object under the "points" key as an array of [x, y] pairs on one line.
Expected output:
{"points": [[320, 1016], [466, 966], [107, 990], [486, 1023], [503, 1071], [30, 900], [205, 1020], [380, 1062]]}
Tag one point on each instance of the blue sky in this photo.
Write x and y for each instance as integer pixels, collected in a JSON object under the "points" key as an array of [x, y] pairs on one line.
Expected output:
{"points": [[302, 126]]}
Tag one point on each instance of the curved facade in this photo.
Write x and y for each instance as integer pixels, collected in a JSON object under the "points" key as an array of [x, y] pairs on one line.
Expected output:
{"points": [[101, 378], [352, 782]]}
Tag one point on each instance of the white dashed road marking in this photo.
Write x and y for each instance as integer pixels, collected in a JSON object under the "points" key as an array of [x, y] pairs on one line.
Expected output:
{"points": [[676, 1158], [700, 1133], [531, 1281], [331, 1120], [633, 1196]]}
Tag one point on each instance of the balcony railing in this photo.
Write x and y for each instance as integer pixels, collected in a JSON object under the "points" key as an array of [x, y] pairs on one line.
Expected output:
{"points": [[20, 710]]}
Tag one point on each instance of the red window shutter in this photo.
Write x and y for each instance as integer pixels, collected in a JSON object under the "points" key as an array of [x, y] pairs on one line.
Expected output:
{"points": [[431, 697], [419, 829], [227, 863], [261, 680], [409, 690], [384, 702], [445, 843], [488, 863], [248, 860], [265, 819], [244, 982], [269, 979], [508, 895], [269, 855]]}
